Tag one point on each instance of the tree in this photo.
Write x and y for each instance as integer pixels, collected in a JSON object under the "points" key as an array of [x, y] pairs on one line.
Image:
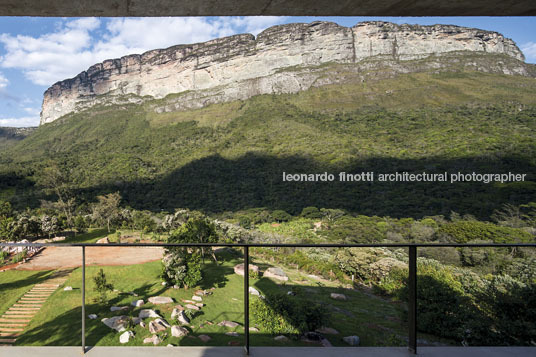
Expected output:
{"points": [[6, 221], [101, 286], [107, 209], [49, 224], [281, 216], [182, 265], [55, 180]]}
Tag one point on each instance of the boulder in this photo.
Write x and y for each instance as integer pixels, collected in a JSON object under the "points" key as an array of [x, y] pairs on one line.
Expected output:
{"points": [[199, 304], [197, 298], [162, 322], [191, 307], [159, 300], [239, 269], [182, 318], [351, 340], [136, 320], [103, 241], [204, 338], [281, 338], [156, 327], [68, 288], [189, 301], [254, 291], [92, 316], [230, 324], [118, 323], [336, 296], [118, 308], [234, 334], [178, 331], [145, 313], [58, 239], [275, 273], [137, 303], [253, 329], [125, 336], [327, 331], [155, 340]]}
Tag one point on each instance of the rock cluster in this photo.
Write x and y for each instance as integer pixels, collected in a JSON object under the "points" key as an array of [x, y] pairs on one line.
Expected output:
{"points": [[241, 66]]}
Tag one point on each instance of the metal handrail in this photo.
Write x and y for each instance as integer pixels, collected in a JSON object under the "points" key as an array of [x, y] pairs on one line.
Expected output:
{"points": [[412, 265]]}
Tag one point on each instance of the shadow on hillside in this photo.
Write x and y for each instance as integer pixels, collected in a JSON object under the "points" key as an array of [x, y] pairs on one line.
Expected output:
{"points": [[30, 280], [217, 184]]}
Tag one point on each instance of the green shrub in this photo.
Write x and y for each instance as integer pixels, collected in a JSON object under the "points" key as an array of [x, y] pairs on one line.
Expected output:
{"points": [[465, 231], [311, 212], [101, 287], [281, 216], [283, 314]]}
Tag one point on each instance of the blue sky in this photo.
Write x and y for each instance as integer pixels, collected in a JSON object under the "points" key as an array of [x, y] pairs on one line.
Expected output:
{"points": [[37, 52]]}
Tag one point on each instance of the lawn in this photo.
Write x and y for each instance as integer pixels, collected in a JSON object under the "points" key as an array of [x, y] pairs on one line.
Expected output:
{"points": [[375, 320]]}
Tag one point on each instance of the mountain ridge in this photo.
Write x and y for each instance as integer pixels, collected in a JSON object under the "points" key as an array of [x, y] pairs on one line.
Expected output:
{"points": [[243, 65]]}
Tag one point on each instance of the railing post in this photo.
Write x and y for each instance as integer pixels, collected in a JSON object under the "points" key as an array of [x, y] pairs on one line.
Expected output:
{"points": [[246, 298], [83, 299], [412, 300]]}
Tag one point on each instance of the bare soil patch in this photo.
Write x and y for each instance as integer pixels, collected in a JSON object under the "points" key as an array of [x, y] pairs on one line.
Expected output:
{"points": [[53, 258]]}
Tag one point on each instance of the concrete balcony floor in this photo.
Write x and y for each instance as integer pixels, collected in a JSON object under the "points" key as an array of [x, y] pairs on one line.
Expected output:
{"points": [[266, 351]]}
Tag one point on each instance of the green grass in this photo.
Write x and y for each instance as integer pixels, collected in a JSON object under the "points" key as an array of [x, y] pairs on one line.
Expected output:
{"points": [[15, 283], [375, 320]]}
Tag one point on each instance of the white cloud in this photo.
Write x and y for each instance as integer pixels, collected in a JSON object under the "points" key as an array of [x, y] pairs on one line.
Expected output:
{"points": [[74, 46], [3, 82], [20, 122], [529, 49]]}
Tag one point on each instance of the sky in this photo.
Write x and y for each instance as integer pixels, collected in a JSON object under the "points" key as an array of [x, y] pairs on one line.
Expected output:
{"points": [[36, 52]]}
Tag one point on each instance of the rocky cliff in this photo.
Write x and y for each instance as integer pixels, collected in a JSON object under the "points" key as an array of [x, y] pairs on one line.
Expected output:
{"points": [[277, 61]]}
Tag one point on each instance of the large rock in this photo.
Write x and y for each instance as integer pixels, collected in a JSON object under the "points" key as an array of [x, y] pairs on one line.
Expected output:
{"points": [[336, 296], [125, 336], [254, 291], [103, 241], [239, 269], [155, 340], [180, 316], [192, 307], [118, 323], [178, 331], [281, 338], [197, 298], [157, 326], [230, 324], [137, 303], [160, 300], [216, 75], [275, 273], [204, 338], [147, 313], [118, 308], [351, 340]]}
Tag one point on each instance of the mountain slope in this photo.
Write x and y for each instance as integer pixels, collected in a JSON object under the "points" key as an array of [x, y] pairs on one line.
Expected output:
{"points": [[231, 156]]}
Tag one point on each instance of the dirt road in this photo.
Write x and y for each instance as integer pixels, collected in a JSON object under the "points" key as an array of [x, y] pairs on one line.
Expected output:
{"points": [[70, 257]]}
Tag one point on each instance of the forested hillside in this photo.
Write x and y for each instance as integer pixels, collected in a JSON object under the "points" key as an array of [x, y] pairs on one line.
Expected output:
{"points": [[231, 156]]}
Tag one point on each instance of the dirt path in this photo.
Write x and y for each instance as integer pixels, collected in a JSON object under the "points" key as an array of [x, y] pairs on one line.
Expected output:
{"points": [[53, 258]]}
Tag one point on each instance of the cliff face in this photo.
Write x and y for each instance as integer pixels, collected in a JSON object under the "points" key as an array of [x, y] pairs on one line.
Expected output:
{"points": [[240, 66]]}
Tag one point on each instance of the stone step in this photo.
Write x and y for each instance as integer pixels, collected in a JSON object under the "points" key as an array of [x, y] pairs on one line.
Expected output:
{"points": [[11, 329], [25, 299], [26, 313], [28, 305], [10, 334], [10, 324], [14, 319], [8, 340], [23, 308]]}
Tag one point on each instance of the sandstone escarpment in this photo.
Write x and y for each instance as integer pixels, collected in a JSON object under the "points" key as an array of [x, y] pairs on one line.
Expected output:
{"points": [[278, 60]]}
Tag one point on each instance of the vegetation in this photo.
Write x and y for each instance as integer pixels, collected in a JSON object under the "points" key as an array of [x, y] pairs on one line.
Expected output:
{"points": [[102, 287]]}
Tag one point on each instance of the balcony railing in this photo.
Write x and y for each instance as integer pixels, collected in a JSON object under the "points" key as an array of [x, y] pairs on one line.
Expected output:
{"points": [[412, 278]]}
